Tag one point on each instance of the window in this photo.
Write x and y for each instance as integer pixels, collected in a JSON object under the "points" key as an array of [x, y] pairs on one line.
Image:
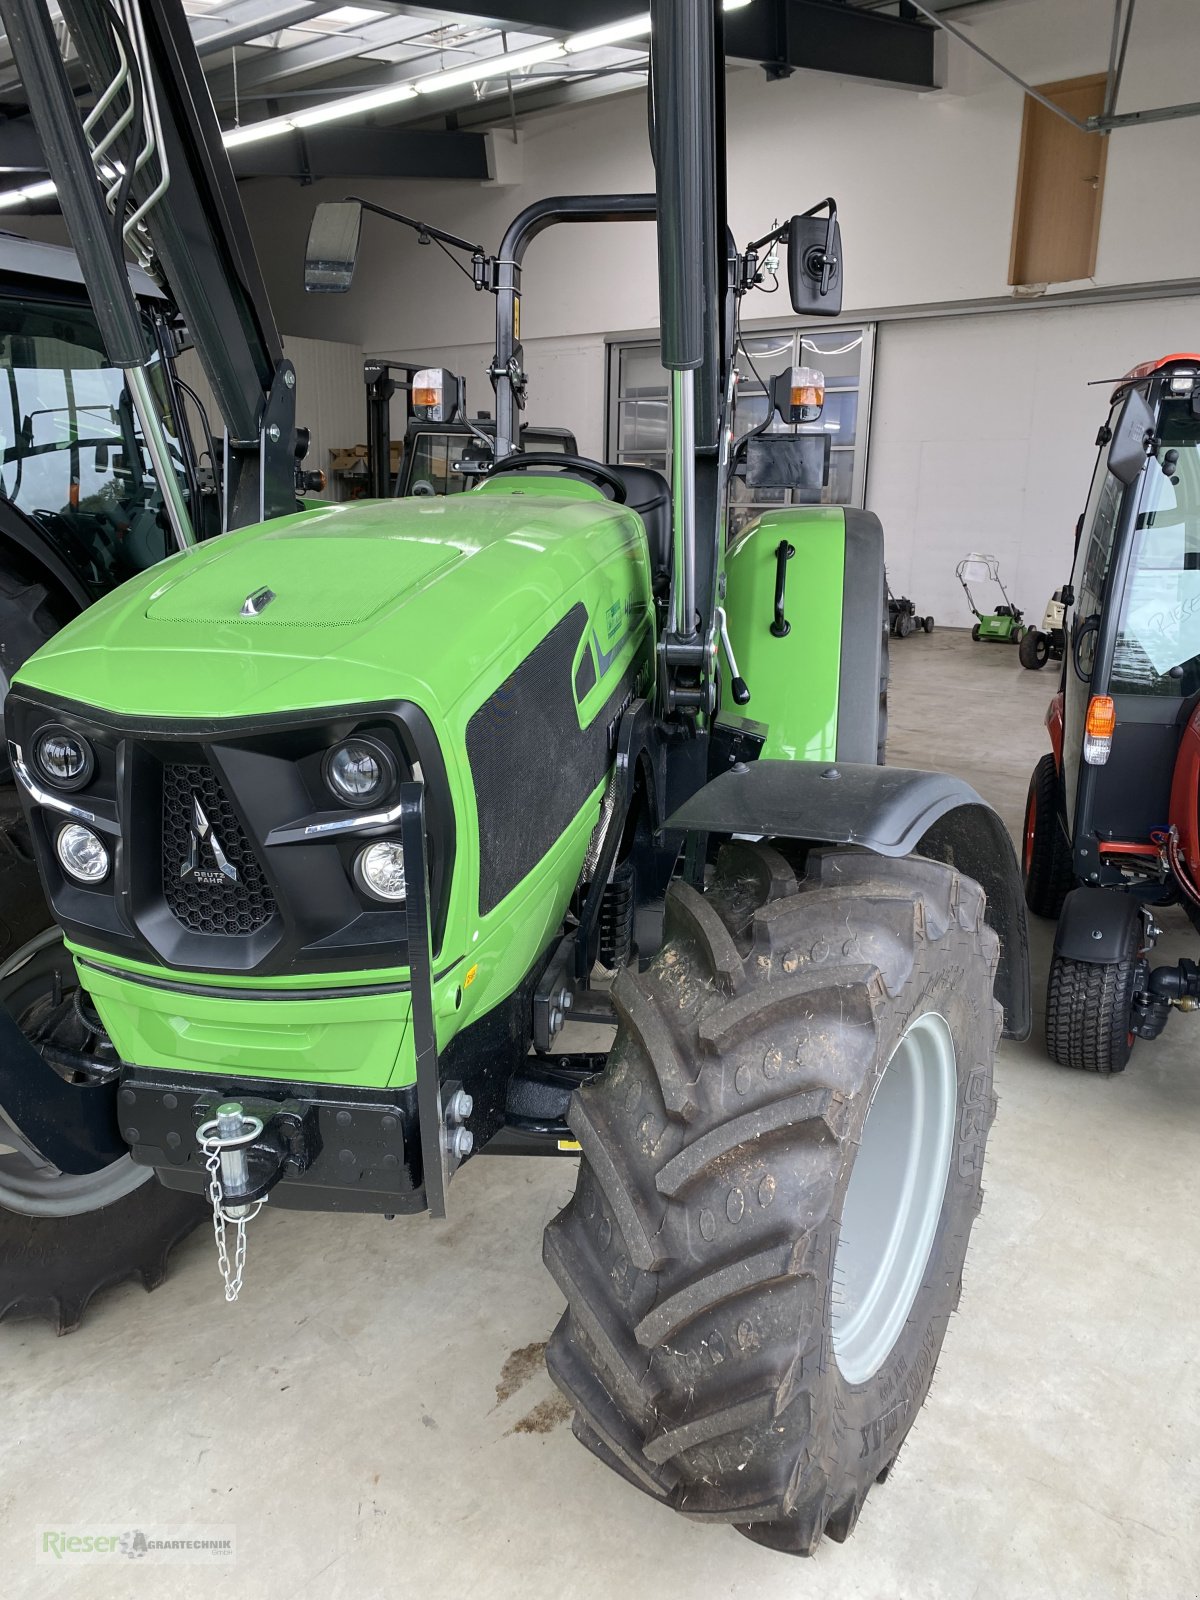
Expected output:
{"points": [[639, 416], [1157, 648], [640, 437]]}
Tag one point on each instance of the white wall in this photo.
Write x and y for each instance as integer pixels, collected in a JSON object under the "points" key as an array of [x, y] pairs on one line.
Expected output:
{"points": [[982, 426], [926, 183], [983, 438], [330, 396]]}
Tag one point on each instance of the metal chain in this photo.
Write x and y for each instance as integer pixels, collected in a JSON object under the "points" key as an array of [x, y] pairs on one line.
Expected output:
{"points": [[232, 1276]]}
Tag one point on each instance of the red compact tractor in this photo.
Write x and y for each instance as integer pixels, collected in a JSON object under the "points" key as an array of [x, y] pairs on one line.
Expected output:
{"points": [[1112, 825]]}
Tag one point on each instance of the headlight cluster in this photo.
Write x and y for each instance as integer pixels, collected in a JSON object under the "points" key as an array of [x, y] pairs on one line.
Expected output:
{"points": [[63, 758], [361, 772]]}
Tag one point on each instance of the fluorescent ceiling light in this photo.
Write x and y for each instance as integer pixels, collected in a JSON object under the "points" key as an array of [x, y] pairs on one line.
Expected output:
{"points": [[31, 191], [490, 67], [611, 33], [352, 106], [620, 32], [252, 132]]}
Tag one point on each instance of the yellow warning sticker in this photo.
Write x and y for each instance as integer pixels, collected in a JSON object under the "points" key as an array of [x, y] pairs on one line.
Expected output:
{"points": [[516, 316], [470, 977], [573, 1145]]}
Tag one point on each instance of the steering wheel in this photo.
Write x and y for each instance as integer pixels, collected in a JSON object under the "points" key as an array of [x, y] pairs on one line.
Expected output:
{"points": [[603, 476]]}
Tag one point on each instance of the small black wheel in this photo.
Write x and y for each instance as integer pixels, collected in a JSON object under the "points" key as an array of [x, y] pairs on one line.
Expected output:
{"points": [[975, 631], [1017, 636], [1089, 1010], [1035, 650], [1045, 853], [927, 624], [906, 624]]}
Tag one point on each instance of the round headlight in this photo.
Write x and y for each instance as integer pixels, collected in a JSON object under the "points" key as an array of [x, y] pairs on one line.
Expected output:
{"points": [[64, 758], [82, 853], [380, 870], [360, 772]]}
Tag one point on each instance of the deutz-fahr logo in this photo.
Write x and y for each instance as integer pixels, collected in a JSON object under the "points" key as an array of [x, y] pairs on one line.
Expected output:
{"points": [[218, 871]]}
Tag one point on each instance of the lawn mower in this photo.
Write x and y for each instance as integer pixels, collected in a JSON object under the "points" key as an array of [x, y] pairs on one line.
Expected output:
{"points": [[1111, 822], [1003, 625], [1045, 643], [903, 618], [340, 816]]}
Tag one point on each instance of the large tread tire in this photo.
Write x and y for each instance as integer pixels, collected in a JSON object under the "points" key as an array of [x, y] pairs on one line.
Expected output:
{"points": [[697, 1255], [26, 622], [1089, 1008], [975, 632], [52, 1266], [1045, 853]]}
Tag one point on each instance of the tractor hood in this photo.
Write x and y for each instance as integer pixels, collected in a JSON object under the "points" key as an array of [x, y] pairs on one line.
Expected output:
{"points": [[346, 604]]}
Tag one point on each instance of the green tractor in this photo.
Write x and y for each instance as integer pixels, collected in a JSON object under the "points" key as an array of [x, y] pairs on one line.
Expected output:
{"points": [[345, 817]]}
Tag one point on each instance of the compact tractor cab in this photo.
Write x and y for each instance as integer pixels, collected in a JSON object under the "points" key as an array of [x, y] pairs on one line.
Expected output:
{"points": [[345, 817], [1111, 823]]}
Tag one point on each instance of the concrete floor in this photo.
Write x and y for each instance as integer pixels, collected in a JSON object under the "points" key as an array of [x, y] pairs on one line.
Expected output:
{"points": [[373, 1417]]}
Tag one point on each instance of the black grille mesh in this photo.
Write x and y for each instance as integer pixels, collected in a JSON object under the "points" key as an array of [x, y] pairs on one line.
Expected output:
{"points": [[209, 907]]}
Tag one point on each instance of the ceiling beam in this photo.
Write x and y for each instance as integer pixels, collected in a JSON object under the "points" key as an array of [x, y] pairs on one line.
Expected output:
{"points": [[826, 36], [251, 20], [273, 66], [365, 152]]}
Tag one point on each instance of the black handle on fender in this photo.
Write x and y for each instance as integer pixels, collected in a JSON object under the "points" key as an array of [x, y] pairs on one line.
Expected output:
{"points": [[781, 627]]}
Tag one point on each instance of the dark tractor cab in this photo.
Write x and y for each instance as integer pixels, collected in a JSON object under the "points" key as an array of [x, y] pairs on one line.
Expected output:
{"points": [[448, 457], [1112, 828], [443, 451]]}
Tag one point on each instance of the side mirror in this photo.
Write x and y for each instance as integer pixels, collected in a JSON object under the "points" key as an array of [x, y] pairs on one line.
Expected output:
{"points": [[332, 247], [1132, 437], [814, 255]]}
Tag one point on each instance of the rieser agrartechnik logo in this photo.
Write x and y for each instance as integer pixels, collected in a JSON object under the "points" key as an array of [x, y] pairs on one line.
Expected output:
{"points": [[207, 1544]]}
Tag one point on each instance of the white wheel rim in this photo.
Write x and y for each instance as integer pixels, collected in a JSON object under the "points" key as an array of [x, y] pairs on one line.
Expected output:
{"points": [[894, 1198]]}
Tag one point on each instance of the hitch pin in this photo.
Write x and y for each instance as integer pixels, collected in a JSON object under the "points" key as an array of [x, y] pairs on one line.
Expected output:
{"points": [[738, 684], [224, 1140]]}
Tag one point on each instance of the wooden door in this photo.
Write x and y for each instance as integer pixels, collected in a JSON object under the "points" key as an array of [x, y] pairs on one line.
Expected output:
{"points": [[1060, 186]]}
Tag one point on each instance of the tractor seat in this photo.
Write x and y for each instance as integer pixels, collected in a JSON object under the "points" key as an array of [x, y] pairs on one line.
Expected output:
{"points": [[649, 494]]}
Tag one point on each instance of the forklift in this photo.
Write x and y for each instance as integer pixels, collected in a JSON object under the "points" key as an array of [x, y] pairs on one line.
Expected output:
{"points": [[395, 778], [1112, 818]]}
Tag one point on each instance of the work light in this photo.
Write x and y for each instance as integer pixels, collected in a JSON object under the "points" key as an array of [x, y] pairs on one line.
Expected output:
{"points": [[81, 853], [379, 870], [64, 758], [360, 771]]}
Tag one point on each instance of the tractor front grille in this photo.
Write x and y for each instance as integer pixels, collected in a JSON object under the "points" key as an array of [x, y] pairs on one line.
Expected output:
{"points": [[204, 899]]}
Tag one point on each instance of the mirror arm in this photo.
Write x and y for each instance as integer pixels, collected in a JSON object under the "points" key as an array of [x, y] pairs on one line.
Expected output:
{"points": [[476, 250]]}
